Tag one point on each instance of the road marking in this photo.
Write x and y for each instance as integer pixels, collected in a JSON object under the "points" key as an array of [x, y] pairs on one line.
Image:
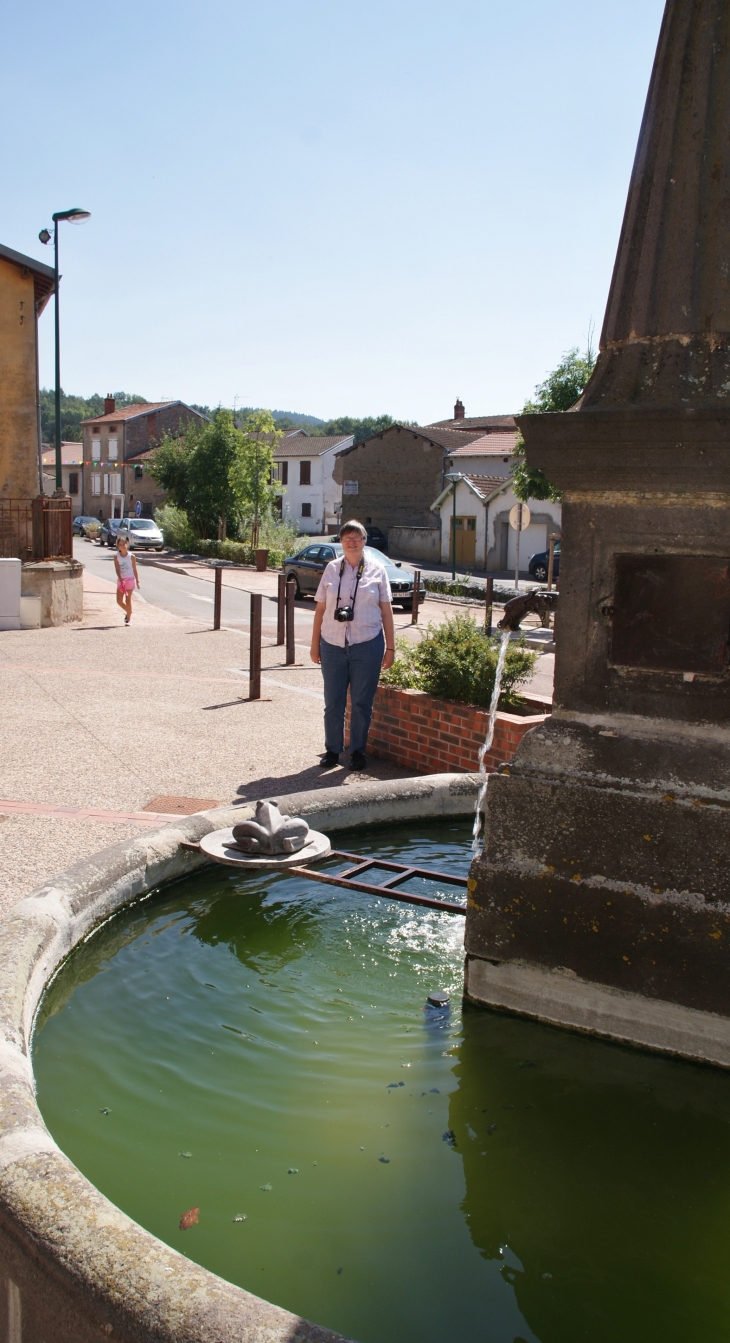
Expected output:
{"points": [[196, 597], [298, 689]]}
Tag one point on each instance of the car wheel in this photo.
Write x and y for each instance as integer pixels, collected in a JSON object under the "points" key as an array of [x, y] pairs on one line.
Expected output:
{"points": [[540, 573], [159, 549]]}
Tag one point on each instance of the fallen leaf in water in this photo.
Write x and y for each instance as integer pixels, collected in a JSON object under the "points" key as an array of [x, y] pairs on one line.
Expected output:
{"points": [[186, 1154], [240, 1217], [293, 1170], [385, 1160], [266, 1188], [189, 1218], [105, 1112]]}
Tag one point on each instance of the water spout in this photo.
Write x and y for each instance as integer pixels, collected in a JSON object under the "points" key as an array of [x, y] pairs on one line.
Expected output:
{"points": [[476, 846]]}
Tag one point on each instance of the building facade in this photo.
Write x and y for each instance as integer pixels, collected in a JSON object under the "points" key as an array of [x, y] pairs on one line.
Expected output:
{"points": [[116, 449], [479, 517], [72, 460], [25, 288], [311, 498]]}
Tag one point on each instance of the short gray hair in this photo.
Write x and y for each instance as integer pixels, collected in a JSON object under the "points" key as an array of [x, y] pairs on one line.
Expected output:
{"points": [[353, 526]]}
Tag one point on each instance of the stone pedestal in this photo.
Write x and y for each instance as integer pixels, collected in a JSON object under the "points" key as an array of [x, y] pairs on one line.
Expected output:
{"points": [[59, 584]]}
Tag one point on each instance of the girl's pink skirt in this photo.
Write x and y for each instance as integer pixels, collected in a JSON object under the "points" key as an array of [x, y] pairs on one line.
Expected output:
{"points": [[125, 585]]}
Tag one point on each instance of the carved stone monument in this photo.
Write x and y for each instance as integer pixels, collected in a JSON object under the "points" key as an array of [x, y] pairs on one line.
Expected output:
{"points": [[266, 840], [603, 893]]}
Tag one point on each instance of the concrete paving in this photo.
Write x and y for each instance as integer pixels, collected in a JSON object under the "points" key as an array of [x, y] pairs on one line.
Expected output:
{"points": [[107, 719]]}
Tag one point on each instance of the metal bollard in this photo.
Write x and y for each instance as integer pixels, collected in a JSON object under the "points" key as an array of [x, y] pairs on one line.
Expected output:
{"points": [[416, 596], [488, 605], [217, 599], [254, 657], [280, 605], [291, 588]]}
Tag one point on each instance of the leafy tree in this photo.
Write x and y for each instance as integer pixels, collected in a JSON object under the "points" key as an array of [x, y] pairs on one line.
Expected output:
{"points": [[363, 428], [195, 470], [251, 470], [560, 390]]}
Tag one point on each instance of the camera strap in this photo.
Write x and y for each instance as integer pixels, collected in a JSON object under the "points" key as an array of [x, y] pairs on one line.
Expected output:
{"points": [[360, 568]]}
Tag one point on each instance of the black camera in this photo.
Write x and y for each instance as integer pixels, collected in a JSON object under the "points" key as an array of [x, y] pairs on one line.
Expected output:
{"points": [[343, 613]]}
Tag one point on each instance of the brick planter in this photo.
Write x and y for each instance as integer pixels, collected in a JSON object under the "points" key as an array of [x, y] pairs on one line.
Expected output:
{"points": [[439, 736]]}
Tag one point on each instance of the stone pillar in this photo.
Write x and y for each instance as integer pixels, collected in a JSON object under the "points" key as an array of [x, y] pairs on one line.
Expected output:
{"points": [[605, 859]]}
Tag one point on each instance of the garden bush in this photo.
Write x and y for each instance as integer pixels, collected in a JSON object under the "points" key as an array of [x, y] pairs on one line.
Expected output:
{"points": [[279, 539], [174, 525], [458, 661]]}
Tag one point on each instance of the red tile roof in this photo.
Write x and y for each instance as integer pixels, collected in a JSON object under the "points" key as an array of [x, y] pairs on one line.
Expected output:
{"points": [[486, 485], [298, 446], [487, 445], [441, 438], [131, 412], [72, 454], [476, 422]]}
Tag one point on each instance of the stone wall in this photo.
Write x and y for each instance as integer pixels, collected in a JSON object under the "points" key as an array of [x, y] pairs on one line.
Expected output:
{"points": [[415, 543], [420, 732], [399, 474]]}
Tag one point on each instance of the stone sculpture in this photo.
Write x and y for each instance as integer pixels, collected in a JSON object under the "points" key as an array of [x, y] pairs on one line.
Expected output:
{"points": [[270, 832]]}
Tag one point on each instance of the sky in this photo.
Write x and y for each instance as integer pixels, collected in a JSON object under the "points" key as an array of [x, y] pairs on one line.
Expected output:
{"points": [[326, 206]]}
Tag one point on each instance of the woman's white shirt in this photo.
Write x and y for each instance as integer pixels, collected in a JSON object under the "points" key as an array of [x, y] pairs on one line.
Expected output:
{"points": [[372, 589]]}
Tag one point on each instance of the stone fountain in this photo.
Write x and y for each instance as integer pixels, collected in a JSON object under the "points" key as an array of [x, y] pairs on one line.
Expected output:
{"points": [[602, 898]]}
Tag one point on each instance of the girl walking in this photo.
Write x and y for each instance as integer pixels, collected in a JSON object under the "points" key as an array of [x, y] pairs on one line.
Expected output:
{"points": [[127, 577]]}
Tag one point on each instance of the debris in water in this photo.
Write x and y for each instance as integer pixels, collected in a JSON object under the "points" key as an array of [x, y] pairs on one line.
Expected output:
{"points": [[450, 1137], [189, 1218], [105, 1111], [293, 1170], [385, 1160], [434, 1091], [187, 1155], [491, 1129], [547, 1275], [266, 1188], [240, 1217], [339, 1270], [438, 999], [391, 1085]]}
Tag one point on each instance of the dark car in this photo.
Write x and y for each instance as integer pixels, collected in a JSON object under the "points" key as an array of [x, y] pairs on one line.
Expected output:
{"points": [[308, 566], [79, 523], [538, 565], [109, 529], [377, 539]]}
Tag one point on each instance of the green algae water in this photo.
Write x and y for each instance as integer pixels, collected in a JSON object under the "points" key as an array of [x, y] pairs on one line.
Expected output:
{"points": [[259, 1049]]}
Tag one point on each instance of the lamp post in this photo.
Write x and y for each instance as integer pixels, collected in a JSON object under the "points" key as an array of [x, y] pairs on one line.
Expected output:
{"points": [[454, 478], [74, 216]]}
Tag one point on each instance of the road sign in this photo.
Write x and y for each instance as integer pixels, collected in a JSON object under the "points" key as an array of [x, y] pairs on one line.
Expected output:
{"points": [[138, 508], [514, 517]]}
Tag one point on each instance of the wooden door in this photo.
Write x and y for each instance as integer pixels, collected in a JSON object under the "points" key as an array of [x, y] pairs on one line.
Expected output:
{"points": [[466, 540]]}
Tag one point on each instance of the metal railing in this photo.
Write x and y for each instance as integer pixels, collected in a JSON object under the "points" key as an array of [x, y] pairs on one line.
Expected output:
{"points": [[35, 529]]}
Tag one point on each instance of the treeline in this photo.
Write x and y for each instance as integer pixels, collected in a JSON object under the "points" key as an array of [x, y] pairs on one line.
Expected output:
{"points": [[74, 409]]}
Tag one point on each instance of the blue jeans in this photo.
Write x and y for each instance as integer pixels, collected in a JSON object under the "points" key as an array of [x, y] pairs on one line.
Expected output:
{"points": [[356, 665]]}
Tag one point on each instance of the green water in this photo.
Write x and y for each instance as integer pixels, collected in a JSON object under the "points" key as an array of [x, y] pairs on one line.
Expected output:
{"points": [[264, 1028]]}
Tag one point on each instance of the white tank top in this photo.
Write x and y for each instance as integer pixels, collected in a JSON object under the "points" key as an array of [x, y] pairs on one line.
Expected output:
{"points": [[125, 565]]}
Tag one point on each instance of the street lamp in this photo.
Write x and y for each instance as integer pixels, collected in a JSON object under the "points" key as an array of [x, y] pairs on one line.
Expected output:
{"points": [[75, 216], [454, 478]]}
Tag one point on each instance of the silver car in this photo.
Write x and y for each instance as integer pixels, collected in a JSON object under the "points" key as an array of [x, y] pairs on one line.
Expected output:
{"points": [[142, 534]]}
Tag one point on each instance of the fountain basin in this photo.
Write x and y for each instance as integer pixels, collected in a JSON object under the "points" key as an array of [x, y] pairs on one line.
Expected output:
{"points": [[78, 1270]]}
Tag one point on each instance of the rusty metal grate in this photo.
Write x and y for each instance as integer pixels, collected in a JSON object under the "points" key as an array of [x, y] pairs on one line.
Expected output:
{"points": [[180, 806], [351, 879]]}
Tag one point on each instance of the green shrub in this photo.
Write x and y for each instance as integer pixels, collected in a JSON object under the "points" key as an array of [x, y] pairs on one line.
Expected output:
{"points": [[174, 525], [457, 661], [237, 552]]}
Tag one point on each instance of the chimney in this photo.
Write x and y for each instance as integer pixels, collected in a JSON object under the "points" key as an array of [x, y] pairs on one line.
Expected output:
{"points": [[459, 409], [110, 405]]}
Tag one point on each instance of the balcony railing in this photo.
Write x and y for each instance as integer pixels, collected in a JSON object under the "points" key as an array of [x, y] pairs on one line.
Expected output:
{"points": [[35, 529]]}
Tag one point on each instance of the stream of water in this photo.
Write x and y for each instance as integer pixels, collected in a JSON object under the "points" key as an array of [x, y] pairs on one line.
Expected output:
{"points": [[476, 843]]}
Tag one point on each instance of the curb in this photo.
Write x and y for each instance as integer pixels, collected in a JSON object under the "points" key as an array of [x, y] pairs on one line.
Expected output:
{"points": [[78, 1269]]}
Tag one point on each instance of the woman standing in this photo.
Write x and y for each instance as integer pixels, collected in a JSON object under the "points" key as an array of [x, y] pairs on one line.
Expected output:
{"points": [[353, 638]]}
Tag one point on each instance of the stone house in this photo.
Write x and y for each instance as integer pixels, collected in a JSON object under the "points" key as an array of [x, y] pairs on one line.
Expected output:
{"points": [[117, 446], [25, 288], [304, 467], [485, 542]]}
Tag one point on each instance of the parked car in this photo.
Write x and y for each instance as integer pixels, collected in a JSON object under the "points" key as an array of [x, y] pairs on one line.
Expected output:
{"points": [[308, 566], [538, 564], [109, 529], [78, 524], [142, 534], [377, 538]]}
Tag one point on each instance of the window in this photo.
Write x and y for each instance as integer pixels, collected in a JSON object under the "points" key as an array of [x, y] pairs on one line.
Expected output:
{"points": [[305, 478], [284, 477], [306, 508], [96, 484], [106, 483], [138, 473], [113, 450], [115, 484], [73, 482], [96, 429]]}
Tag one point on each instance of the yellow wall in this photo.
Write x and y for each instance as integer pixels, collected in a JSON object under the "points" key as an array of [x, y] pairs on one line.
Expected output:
{"points": [[18, 403]]}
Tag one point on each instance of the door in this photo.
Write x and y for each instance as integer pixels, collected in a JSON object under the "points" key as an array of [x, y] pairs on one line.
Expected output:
{"points": [[466, 540]]}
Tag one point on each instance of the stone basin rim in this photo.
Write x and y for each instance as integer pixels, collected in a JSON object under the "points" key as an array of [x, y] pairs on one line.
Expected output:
{"points": [[75, 1268]]}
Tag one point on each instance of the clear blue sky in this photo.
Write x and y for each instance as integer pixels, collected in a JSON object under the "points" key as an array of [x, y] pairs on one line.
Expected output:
{"points": [[326, 206]]}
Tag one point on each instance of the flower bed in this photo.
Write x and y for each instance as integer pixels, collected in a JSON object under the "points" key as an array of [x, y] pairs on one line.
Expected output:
{"points": [[420, 732]]}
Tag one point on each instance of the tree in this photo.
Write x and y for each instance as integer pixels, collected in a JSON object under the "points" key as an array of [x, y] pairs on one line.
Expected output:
{"points": [[195, 470], [362, 429], [560, 390], [74, 409], [252, 469]]}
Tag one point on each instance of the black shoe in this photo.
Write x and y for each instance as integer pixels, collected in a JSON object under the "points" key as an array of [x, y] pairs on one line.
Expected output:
{"points": [[329, 760], [357, 760]]}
